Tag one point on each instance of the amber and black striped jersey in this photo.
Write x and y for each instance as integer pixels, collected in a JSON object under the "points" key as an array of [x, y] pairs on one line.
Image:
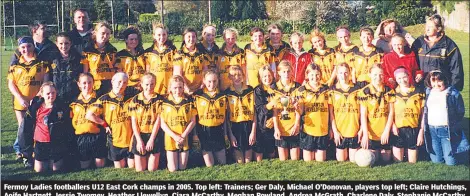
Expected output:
{"points": [[160, 63], [133, 65], [346, 109], [28, 78], [227, 59], [408, 107], [279, 51], [363, 61], [377, 104], [290, 91], [115, 111], [100, 64], [315, 114], [210, 54], [326, 60], [145, 111], [177, 114], [211, 110], [78, 110], [241, 104], [346, 55], [254, 60], [193, 64]]}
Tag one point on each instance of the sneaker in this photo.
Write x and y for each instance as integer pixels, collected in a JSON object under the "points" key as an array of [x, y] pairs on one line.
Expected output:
{"points": [[19, 156], [27, 163]]}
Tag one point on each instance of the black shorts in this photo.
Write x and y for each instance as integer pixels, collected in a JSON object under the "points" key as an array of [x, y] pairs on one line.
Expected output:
{"points": [[117, 153], [157, 144], [349, 142], [376, 145], [91, 146], [45, 151], [288, 141], [265, 142], [242, 131], [407, 138], [313, 143], [211, 138]]}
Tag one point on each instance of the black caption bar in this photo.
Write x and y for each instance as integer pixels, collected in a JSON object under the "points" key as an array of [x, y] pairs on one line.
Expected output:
{"points": [[232, 188]]}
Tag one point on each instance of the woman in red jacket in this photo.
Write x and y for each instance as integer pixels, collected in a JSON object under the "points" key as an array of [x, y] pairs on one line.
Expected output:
{"points": [[401, 55]]}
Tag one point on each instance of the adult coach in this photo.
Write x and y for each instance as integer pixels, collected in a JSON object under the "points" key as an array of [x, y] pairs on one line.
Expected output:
{"points": [[81, 33], [45, 49], [436, 51]]}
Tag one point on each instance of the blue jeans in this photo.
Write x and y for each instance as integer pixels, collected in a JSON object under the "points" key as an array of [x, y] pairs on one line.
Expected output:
{"points": [[16, 145], [441, 146]]}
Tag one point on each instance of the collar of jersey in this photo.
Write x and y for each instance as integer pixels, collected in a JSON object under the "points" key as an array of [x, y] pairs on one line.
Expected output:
{"points": [[281, 87], [235, 49], [114, 96], [361, 49], [338, 86], [172, 99], [93, 95], [411, 90], [207, 92], [281, 46], [309, 88], [23, 61], [141, 97], [323, 52], [375, 91], [340, 48], [244, 87], [185, 50], [107, 48], [264, 47]]}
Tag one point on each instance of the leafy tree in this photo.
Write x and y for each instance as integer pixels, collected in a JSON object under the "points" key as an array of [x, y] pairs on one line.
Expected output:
{"points": [[103, 10], [143, 6]]}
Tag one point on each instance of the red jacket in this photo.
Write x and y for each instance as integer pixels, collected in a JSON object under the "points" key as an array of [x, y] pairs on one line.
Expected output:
{"points": [[391, 61], [299, 64]]}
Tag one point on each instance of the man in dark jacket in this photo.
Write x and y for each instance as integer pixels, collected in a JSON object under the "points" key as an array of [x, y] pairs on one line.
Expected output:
{"points": [[81, 33], [46, 50]]}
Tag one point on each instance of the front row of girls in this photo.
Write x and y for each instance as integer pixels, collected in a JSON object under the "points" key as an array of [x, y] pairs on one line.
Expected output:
{"points": [[375, 117]]}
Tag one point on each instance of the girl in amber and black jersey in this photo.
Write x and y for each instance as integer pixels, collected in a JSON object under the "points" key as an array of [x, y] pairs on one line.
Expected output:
{"points": [[209, 47], [99, 59], [257, 54], [229, 54], [178, 118], [211, 105], [275, 41], [132, 60], [345, 49], [365, 57], [241, 116], [344, 114], [159, 58], [286, 126], [323, 57]]}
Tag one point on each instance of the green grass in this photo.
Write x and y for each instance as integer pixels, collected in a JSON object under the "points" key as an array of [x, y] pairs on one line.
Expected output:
{"points": [[265, 170]]}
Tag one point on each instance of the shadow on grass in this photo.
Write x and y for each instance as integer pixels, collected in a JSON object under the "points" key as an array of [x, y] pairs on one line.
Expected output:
{"points": [[7, 149]]}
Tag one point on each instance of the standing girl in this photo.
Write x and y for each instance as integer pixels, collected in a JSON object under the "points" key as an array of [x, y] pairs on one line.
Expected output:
{"points": [[132, 59], [345, 49], [344, 114], [265, 100], [323, 57], [229, 54], [178, 118], [407, 131], [24, 81], [313, 100], [377, 113], [298, 58], [91, 141], [443, 117], [280, 48], [147, 140], [208, 45], [190, 63], [47, 129], [401, 55], [365, 57], [159, 58], [286, 127], [99, 58], [257, 54], [211, 105], [242, 124]]}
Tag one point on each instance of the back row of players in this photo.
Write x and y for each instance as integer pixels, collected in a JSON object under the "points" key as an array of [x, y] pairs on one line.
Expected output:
{"points": [[218, 80]]}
